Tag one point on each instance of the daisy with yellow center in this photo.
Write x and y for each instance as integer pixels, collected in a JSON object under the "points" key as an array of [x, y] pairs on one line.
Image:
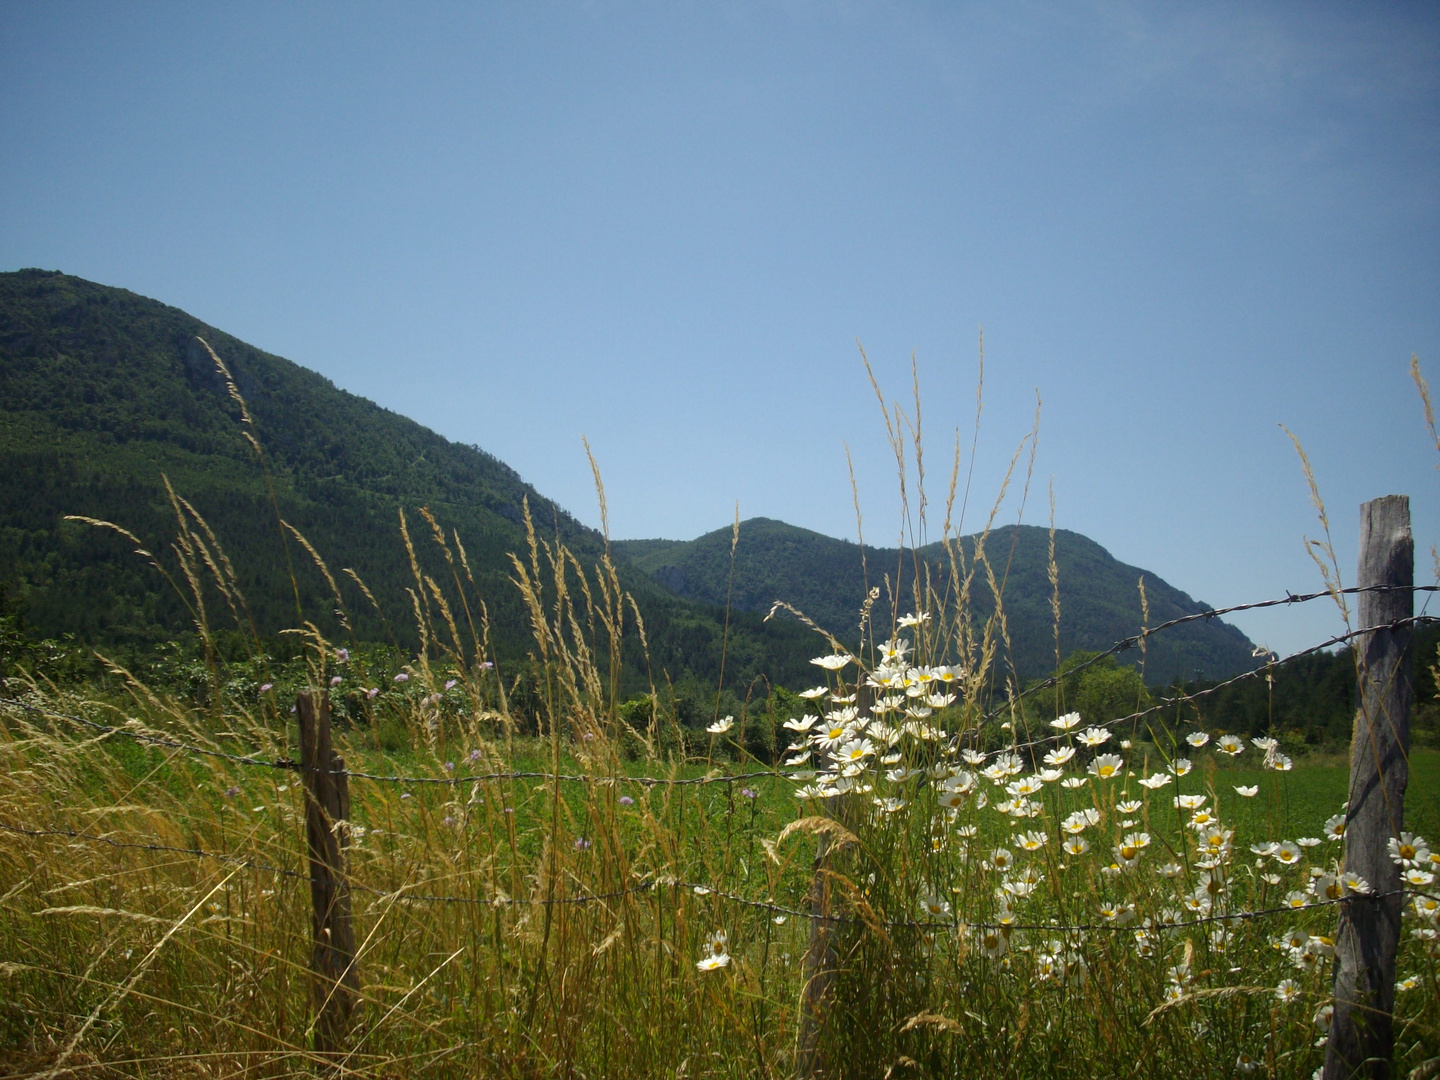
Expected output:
{"points": [[1106, 766]]}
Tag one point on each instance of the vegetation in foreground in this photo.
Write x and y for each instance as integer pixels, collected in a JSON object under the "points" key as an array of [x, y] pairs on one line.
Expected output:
{"points": [[1007, 892]]}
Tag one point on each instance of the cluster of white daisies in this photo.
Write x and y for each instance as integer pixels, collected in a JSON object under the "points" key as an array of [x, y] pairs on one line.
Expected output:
{"points": [[840, 751]]}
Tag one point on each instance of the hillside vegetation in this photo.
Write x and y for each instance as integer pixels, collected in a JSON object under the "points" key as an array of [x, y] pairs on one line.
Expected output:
{"points": [[104, 394], [828, 580]]}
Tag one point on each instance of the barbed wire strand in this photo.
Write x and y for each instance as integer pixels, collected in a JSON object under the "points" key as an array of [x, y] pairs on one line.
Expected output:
{"points": [[774, 774], [1133, 640], [1266, 669], [294, 766], [401, 895]]}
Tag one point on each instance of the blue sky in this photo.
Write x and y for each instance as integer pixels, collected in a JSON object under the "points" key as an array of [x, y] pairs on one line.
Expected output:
{"points": [[666, 226]]}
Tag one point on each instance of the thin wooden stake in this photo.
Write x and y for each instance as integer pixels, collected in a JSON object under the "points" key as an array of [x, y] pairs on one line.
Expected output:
{"points": [[1362, 1036], [335, 985]]}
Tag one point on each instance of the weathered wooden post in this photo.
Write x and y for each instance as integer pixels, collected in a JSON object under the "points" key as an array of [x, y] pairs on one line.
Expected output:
{"points": [[335, 982], [1362, 1034]]}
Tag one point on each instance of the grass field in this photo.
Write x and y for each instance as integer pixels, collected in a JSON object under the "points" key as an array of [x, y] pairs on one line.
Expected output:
{"points": [[195, 965], [920, 890]]}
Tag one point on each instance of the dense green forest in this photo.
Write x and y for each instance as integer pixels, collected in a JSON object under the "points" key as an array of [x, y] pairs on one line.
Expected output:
{"points": [[1313, 698], [1308, 700], [827, 579], [106, 395], [103, 393]]}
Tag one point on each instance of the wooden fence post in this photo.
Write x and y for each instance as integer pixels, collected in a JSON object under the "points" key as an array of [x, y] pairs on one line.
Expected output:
{"points": [[335, 983], [1362, 1037]]}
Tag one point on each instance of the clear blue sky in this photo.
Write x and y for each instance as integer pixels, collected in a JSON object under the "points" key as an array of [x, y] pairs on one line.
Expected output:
{"points": [[665, 226]]}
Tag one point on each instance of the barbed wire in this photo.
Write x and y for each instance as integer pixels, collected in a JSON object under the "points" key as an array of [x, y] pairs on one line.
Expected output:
{"points": [[256, 864], [1127, 643], [250, 760], [466, 778], [1182, 699], [401, 895]]}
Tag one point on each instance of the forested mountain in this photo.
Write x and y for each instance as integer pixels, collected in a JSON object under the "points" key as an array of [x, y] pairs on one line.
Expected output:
{"points": [[825, 578], [102, 392]]}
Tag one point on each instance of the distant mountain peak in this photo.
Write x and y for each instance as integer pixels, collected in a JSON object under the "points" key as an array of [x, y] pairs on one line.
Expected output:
{"points": [[825, 577]]}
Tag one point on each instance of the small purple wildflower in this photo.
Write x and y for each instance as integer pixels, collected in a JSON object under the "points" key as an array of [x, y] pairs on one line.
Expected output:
{"points": [[749, 793], [336, 680], [581, 844], [487, 665], [626, 800], [402, 677], [449, 766], [265, 688], [231, 791], [342, 655], [448, 820], [474, 756], [370, 694], [449, 684]]}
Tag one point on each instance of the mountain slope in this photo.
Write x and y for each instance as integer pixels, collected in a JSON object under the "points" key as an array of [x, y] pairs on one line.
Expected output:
{"points": [[102, 391], [824, 577]]}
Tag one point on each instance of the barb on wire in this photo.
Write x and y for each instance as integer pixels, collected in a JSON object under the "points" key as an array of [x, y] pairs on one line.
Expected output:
{"points": [[468, 778]]}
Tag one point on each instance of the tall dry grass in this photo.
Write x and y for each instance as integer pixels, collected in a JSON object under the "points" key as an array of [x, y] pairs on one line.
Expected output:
{"points": [[154, 902]]}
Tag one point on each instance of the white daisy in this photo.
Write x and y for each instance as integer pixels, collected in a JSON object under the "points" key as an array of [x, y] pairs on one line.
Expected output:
{"points": [[1059, 756], [1407, 849], [1106, 766]]}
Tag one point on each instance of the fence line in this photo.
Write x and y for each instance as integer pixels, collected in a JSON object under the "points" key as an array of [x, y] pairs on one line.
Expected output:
{"points": [[727, 778], [1127, 643], [1182, 699], [295, 766], [402, 896], [1122, 645]]}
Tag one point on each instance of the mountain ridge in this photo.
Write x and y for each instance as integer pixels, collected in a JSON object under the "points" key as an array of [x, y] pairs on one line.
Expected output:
{"points": [[103, 390], [826, 578]]}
